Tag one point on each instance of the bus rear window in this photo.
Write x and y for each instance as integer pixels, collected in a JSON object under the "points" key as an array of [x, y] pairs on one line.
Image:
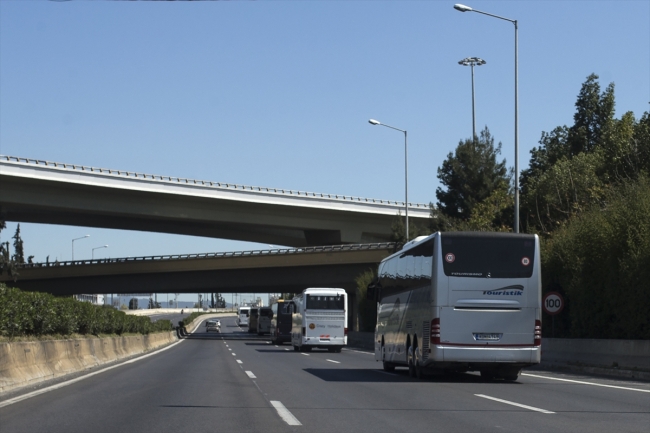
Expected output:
{"points": [[328, 302], [490, 255]]}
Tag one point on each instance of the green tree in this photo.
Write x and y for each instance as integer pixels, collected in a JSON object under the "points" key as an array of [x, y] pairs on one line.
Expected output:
{"points": [[594, 116], [6, 263], [367, 308], [470, 175], [398, 232], [19, 252]]}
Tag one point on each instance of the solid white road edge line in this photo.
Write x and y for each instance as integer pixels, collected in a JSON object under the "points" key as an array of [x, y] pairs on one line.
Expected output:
{"points": [[586, 383], [285, 414], [78, 379], [536, 409], [251, 375], [330, 360]]}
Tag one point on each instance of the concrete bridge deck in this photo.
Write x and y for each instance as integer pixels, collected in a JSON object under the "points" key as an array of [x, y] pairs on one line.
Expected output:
{"points": [[59, 193]]}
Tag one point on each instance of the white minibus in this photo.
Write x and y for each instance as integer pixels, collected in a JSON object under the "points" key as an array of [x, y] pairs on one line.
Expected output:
{"points": [[242, 316]]}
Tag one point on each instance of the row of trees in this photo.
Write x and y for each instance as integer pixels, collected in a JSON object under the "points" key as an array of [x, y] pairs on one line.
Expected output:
{"points": [[586, 193]]}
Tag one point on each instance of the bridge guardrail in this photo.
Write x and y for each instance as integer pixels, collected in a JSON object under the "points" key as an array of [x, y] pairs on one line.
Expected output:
{"points": [[209, 184]]}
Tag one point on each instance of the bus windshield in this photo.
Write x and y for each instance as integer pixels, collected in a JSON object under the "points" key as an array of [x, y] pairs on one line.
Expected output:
{"points": [[325, 302], [487, 256]]}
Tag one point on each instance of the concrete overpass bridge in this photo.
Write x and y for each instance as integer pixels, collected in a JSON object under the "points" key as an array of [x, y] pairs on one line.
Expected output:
{"points": [[265, 271], [59, 193]]}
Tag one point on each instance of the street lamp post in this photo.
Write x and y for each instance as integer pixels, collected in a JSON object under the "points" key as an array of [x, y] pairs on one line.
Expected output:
{"points": [[406, 171], [473, 61], [93, 254], [463, 8], [76, 239]]}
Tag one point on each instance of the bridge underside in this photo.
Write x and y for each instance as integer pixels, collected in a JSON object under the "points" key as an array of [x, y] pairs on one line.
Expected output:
{"points": [[276, 272], [40, 200]]}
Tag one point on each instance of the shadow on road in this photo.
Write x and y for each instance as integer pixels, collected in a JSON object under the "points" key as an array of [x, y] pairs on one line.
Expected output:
{"points": [[399, 375]]}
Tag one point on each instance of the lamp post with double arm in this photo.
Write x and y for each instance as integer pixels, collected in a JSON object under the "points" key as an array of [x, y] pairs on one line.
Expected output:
{"points": [[463, 8]]}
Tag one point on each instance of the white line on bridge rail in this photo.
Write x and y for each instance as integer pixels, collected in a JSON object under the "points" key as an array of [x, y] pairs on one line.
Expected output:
{"points": [[536, 409], [285, 414]]}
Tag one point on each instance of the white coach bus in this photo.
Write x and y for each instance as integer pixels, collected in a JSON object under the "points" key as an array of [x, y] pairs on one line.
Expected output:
{"points": [[460, 301], [319, 319], [242, 316]]}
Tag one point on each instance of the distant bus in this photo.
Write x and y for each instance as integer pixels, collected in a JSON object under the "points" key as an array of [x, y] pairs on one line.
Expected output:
{"points": [[319, 319], [280, 327], [264, 320], [460, 302], [242, 316], [253, 319]]}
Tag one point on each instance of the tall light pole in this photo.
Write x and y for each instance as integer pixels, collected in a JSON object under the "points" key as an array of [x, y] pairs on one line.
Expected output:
{"points": [[463, 8], [93, 254], [406, 171], [76, 239], [473, 61]]}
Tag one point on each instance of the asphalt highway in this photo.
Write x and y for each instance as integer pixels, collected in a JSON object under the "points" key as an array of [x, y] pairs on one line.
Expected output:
{"points": [[238, 382]]}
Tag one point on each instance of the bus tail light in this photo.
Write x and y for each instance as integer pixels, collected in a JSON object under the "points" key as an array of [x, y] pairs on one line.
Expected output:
{"points": [[538, 333], [304, 331], [345, 331], [435, 331]]}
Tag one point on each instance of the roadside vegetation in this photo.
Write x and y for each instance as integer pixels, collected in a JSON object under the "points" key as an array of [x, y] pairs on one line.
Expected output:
{"points": [[36, 315]]}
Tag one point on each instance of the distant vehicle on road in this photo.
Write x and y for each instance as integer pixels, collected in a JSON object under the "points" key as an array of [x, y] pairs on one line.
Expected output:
{"points": [[264, 320], [319, 319], [253, 318], [280, 327], [213, 325], [459, 301], [242, 316]]}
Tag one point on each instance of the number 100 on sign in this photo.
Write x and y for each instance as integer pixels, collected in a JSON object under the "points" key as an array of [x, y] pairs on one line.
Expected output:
{"points": [[553, 303]]}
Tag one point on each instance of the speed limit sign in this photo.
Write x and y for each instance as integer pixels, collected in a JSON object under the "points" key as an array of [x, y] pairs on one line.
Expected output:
{"points": [[553, 303]]}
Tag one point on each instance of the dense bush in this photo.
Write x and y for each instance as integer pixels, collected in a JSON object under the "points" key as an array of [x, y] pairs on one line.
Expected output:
{"points": [[39, 314], [601, 262]]}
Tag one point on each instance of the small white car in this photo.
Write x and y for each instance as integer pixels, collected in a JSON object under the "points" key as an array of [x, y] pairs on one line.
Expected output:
{"points": [[213, 325]]}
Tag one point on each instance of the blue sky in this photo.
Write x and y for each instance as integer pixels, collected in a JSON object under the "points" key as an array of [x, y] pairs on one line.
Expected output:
{"points": [[278, 94]]}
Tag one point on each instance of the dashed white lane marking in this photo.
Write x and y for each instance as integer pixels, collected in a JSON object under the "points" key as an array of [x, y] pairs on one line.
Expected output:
{"points": [[331, 360], [268, 342], [358, 351], [230, 349], [586, 383], [239, 362], [285, 414], [304, 354], [234, 354], [251, 375], [276, 345], [286, 349], [536, 409]]}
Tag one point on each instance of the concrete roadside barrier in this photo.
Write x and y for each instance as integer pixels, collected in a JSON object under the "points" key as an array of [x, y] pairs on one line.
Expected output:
{"points": [[25, 363]]}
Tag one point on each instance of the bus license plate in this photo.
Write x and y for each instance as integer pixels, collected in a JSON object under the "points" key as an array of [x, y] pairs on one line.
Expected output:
{"points": [[487, 337]]}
